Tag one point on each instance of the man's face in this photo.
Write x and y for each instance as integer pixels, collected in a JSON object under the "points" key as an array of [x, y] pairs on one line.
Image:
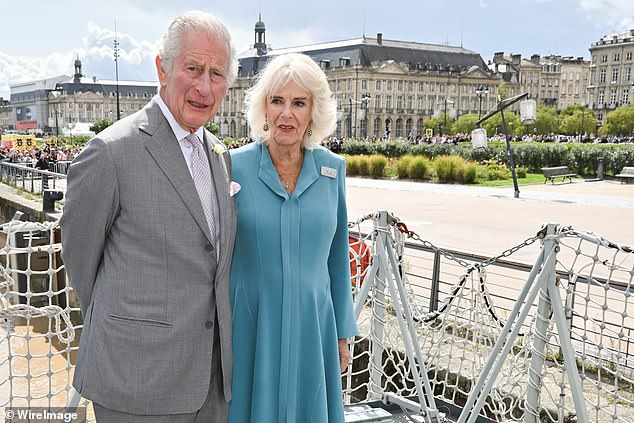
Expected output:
{"points": [[195, 87]]}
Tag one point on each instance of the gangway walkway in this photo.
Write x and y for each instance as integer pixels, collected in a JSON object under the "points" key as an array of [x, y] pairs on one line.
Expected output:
{"points": [[445, 335]]}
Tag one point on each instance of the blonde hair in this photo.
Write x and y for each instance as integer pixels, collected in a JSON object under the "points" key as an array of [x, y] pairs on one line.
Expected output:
{"points": [[303, 71]]}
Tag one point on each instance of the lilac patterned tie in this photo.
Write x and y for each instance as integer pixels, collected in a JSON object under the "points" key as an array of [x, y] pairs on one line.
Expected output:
{"points": [[202, 179]]}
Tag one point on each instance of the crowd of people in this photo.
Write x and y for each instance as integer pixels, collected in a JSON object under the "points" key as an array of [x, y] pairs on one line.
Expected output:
{"points": [[56, 158]]}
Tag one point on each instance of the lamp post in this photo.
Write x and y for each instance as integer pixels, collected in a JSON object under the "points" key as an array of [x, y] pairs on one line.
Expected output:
{"points": [[70, 128], [350, 120], [116, 67], [365, 99], [445, 124], [481, 91], [583, 112], [56, 123]]}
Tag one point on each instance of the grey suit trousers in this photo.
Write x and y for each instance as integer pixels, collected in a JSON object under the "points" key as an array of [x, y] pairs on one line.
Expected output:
{"points": [[214, 410]]}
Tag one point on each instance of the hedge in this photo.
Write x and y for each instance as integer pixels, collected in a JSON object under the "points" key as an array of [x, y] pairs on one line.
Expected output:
{"points": [[581, 158]]}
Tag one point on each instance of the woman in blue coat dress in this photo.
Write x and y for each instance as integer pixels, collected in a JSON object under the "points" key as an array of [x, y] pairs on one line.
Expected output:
{"points": [[290, 278]]}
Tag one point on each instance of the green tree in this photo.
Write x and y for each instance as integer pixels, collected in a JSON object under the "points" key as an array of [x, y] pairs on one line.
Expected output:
{"points": [[434, 123], [619, 121], [444, 117], [494, 125], [465, 124], [571, 109], [547, 121], [100, 125], [213, 128], [502, 89], [572, 123]]}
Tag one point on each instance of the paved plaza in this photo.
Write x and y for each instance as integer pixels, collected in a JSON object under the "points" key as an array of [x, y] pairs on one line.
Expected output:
{"points": [[488, 220]]}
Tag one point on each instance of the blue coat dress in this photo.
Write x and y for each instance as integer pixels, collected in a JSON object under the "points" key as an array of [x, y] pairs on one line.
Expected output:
{"points": [[290, 290]]}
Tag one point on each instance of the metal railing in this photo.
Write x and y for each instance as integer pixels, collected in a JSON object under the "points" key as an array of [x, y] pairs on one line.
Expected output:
{"points": [[33, 180], [429, 319]]}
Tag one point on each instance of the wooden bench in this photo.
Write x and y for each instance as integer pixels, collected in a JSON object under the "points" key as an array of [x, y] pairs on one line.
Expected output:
{"points": [[550, 173], [627, 173]]}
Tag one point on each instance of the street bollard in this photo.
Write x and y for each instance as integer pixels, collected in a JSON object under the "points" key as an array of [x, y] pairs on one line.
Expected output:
{"points": [[48, 202]]}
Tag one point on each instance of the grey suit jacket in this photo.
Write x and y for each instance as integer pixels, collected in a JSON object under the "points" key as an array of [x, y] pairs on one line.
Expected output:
{"points": [[139, 253]]}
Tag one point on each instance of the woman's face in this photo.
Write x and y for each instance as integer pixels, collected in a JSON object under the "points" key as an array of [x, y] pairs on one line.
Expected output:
{"points": [[288, 113]]}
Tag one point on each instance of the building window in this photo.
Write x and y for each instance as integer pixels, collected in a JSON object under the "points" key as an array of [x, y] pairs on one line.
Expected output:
{"points": [[349, 84], [441, 87], [399, 127], [389, 85], [601, 98], [377, 102], [400, 85], [377, 127], [364, 84], [604, 58], [410, 86], [602, 76], [410, 102], [612, 97], [388, 102], [421, 87], [432, 87], [340, 85], [626, 96], [378, 85], [617, 57], [627, 74], [615, 75], [399, 102], [421, 103], [628, 55]]}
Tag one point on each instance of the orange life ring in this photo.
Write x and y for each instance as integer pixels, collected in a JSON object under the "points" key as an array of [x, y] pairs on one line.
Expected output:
{"points": [[359, 259]]}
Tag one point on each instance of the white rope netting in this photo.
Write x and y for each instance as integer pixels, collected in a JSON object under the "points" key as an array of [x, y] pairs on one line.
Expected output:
{"points": [[595, 282], [458, 308], [40, 318]]}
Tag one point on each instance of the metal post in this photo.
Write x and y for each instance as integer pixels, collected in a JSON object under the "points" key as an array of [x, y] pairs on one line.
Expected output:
{"points": [[445, 125], [116, 67], [350, 121], [376, 375], [510, 154], [544, 309], [435, 283], [504, 343]]}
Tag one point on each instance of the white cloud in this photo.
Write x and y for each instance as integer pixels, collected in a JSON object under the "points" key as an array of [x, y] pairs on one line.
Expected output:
{"points": [[616, 14], [136, 60]]}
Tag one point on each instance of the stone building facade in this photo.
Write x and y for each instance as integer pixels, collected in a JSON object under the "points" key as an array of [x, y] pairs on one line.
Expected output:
{"points": [[612, 61]]}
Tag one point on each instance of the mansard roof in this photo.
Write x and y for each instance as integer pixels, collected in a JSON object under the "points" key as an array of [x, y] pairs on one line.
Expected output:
{"points": [[371, 52]]}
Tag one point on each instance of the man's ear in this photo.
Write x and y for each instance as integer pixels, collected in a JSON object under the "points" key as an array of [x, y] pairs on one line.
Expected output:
{"points": [[162, 75]]}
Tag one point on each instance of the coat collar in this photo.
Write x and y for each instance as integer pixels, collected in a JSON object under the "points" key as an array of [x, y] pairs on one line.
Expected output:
{"points": [[268, 174]]}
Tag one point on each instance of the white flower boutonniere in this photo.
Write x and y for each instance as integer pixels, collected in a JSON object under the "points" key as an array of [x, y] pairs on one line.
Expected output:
{"points": [[219, 149]]}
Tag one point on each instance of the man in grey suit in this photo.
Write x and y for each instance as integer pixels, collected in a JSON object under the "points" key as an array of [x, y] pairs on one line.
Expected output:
{"points": [[147, 234]]}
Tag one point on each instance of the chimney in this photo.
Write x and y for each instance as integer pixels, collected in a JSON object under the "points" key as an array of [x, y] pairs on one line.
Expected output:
{"points": [[516, 59], [379, 38], [535, 59]]}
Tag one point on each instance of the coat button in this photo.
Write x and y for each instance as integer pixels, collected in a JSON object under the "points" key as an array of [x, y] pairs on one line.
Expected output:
{"points": [[209, 247], [209, 324]]}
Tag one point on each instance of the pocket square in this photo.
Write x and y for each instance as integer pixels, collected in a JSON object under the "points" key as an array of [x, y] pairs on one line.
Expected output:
{"points": [[234, 188]]}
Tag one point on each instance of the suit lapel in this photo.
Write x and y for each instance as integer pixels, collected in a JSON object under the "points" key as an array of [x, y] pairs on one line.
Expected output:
{"points": [[164, 148], [221, 182]]}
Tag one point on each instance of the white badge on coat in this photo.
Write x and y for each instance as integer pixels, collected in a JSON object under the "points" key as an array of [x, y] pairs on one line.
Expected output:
{"points": [[329, 172]]}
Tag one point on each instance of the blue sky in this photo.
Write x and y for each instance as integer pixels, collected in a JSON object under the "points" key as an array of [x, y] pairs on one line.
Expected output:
{"points": [[41, 38]]}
